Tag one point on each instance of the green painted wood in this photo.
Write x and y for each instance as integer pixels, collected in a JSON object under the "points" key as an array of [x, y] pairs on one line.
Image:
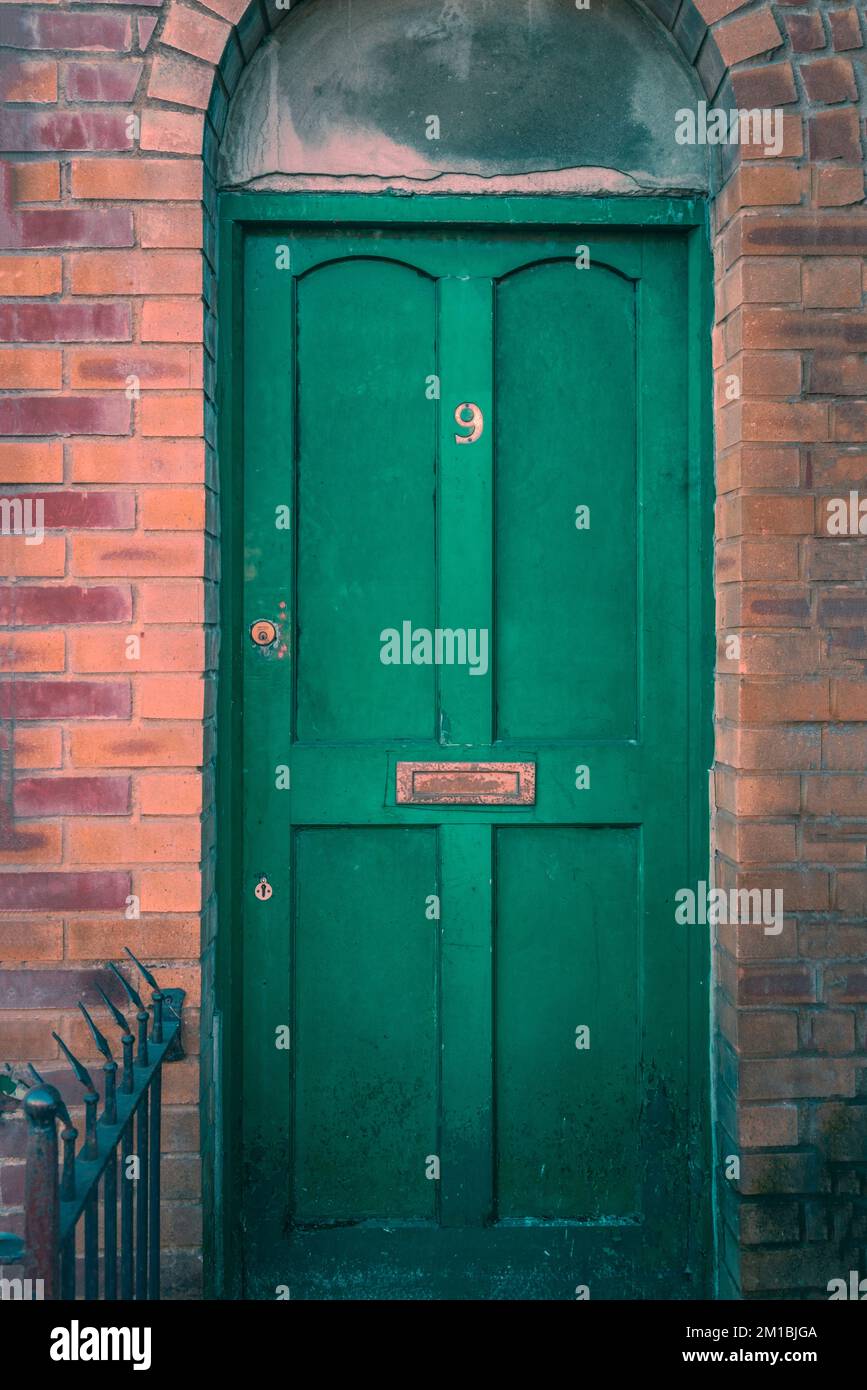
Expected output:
{"points": [[456, 1035]]}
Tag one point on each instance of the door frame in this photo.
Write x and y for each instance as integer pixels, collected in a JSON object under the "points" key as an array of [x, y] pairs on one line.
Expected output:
{"points": [[239, 213]]}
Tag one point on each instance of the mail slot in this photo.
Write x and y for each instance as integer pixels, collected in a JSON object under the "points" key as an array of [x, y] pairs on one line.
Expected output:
{"points": [[466, 784]]}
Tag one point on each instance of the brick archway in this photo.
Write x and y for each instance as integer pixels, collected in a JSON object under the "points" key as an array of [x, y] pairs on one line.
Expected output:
{"points": [[102, 229]]}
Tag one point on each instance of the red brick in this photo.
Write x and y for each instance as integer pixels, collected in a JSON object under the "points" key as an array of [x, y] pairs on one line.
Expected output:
{"points": [[835, 135], [64, 415], [787, 328], [838, 374], [41, 699], [771, 420], [790, 984], [103, 80], [829, 79], [41, 605], [845, 750], [837, 795], [845, 29], [37, 748], [30, 275], [25, 27], [849, 421], [849, 699], [136, 178], [64, 323], [45, 227], [38, 891], [65, 510], [748, 794], [806, 31], [772, 85], [40, 843], [37, 131], [851, 899], [72, 796]]}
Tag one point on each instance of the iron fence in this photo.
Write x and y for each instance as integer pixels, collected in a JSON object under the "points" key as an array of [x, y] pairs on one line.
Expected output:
{"points": [[117, 1169]]}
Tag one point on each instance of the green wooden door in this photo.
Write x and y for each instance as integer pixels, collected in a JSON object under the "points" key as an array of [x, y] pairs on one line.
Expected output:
{"points": [[473, 1034]]}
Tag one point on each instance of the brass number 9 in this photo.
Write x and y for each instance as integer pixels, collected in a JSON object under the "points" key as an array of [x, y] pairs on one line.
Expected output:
{"points": [[475, 424]]}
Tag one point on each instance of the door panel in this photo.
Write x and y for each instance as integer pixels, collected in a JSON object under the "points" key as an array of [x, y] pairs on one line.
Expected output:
{"points": [[566, 617], [434, 1130]]}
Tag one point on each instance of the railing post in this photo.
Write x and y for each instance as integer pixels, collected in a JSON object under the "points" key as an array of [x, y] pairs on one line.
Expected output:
{"points": [[41, 1190]]}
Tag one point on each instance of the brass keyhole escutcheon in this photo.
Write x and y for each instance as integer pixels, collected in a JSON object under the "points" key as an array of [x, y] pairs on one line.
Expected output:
{"points": [[263, 632], [263, 889]]}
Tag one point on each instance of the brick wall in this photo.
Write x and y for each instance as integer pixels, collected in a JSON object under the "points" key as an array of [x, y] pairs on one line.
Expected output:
{"points": [[106, 363]]}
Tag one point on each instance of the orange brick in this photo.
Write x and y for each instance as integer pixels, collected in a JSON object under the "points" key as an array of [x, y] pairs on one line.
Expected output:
{"points": [[18, 560], [30, 80], [32, 651], [150, 179], [171, 697], [31, 463], [30, 939], [182, 601], [199, 35], [836, 186], [135, 272], [36, 843], [832, 282], [107, 841], [173, 509], [36, 369], [171, 794], [36, 183], [110, 554], [38, 748], [134, 461], [30, 276], [174, 132], [156, 938], [160, 649], [785, 420], [176, 227], [747, 36], [167, 745], [771, 185], [172, 415], [171, 321], [154, 367], [166, 890]]}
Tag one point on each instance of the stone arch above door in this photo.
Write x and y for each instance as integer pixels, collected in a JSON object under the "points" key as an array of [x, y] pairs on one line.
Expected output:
{"points": [[456, 98]]}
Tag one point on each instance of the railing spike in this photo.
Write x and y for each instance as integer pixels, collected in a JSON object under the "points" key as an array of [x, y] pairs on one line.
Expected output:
{"points": [[98, 1038], [143, 968], [78, 1067], [114, 1010], [131, 993]]}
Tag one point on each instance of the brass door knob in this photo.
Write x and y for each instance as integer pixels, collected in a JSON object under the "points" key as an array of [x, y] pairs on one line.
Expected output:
{"points": [[263, 632]]}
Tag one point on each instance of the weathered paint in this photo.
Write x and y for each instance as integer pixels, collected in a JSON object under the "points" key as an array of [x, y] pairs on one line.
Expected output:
{"points": [[348, 88]]}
